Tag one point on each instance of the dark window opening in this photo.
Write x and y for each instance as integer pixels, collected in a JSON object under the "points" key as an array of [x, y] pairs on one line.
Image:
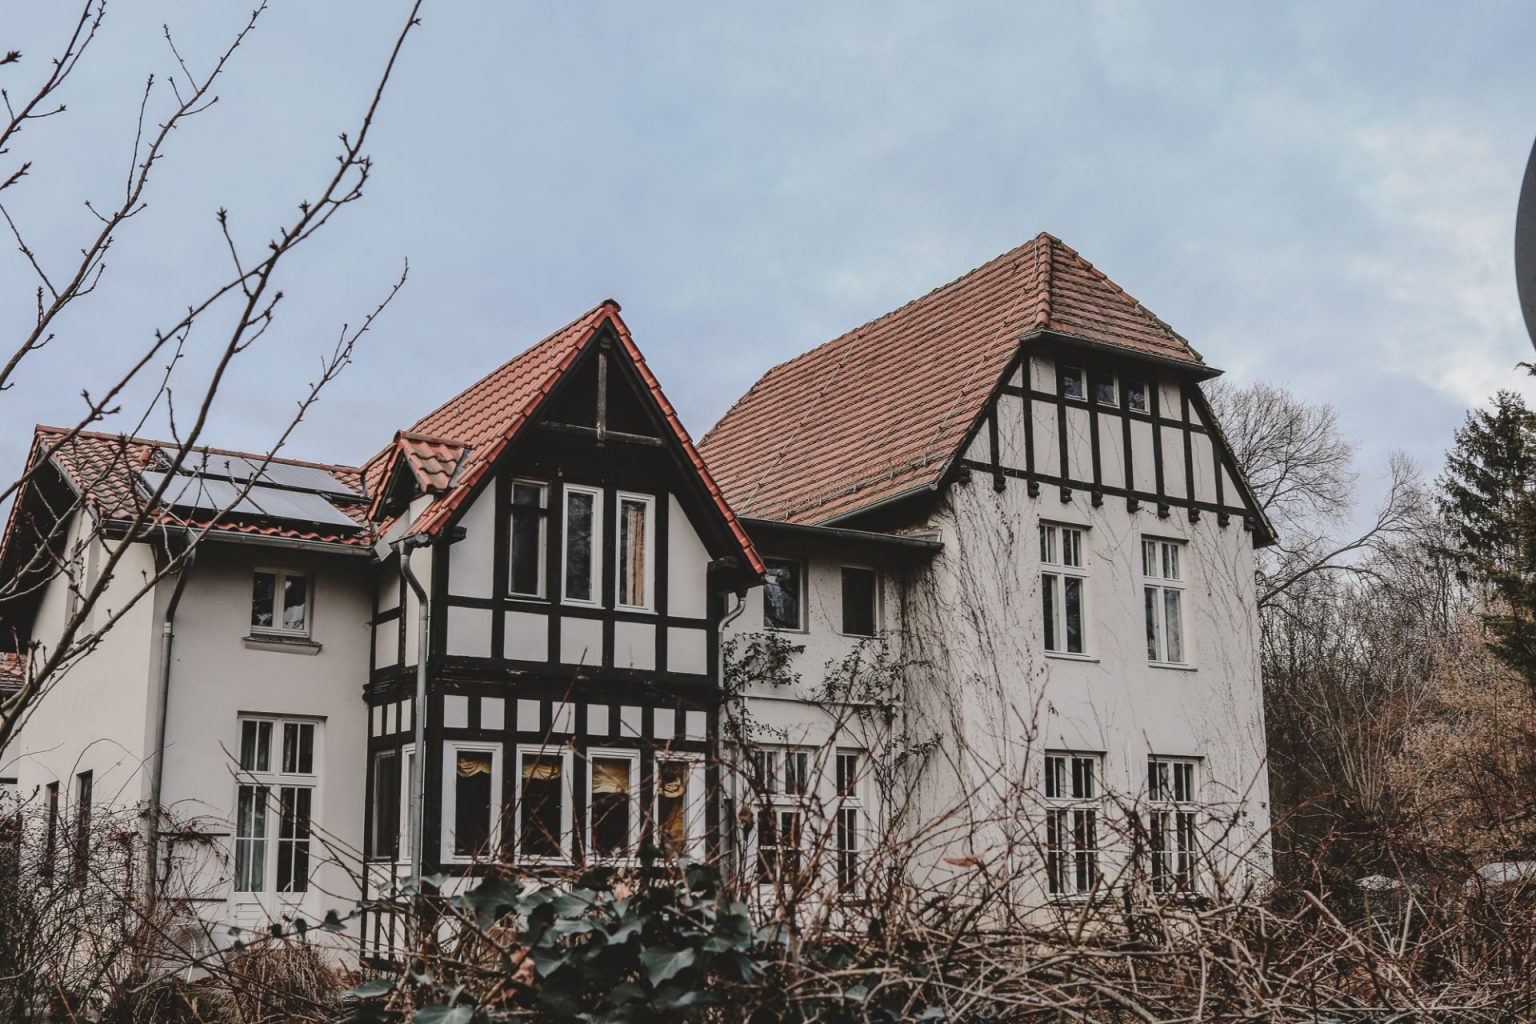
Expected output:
{"points": [[1136, 395], [860, 601], [527, 539], [612, 806], [781, 595], [580, 548], [1072, 385], [386, 805], [541, 809], [471, 802]]}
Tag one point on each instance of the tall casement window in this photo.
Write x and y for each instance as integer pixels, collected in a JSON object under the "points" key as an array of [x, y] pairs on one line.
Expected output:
{"points": [[636, 566], [1173, 822], [861, 601], [1072, 383], [1163, 599], [679, 806], [471, 800], [1136, 395], [782, 777], [613, 803], [1072, 822], [384, 837], [274, 802], [783, 595], [530, 508], [544, 798], [81, 862], [280, 602], [583, 544], [850, 819], [1063, 588], [51, 841]]}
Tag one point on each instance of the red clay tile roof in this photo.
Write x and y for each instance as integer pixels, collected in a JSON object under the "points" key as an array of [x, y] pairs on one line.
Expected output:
{"points": [[881, 410], [105, 469], [13, 669], [487, 416], [433, 462]]}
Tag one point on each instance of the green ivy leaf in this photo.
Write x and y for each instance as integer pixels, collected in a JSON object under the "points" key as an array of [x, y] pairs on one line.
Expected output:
{"points": [[371, 989], [332, 922], [663, 964]]}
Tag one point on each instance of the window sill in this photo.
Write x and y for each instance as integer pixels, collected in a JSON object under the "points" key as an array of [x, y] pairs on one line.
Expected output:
{"points": [[1086, 659], [1171, 666], [283, 644]]}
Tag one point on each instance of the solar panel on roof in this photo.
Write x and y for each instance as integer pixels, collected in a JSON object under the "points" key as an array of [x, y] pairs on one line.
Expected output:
{"points": [[212, 495], [305, 478], [300, 506]]}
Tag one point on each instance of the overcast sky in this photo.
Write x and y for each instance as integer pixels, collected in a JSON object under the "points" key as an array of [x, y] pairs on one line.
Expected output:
{"points": [[1316, 195]]}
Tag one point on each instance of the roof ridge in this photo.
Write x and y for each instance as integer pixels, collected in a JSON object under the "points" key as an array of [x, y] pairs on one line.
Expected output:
{"points": [[103, 435]]}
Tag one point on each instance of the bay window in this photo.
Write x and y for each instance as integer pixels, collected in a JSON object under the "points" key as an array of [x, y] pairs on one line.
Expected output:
{"points": [[544, 798], [613, 803], [471, 800]]}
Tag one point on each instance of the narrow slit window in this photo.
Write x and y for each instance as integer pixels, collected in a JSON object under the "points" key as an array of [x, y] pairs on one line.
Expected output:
{"points": [[385, 835], [674, 827], [635, 568], [84, 783], [861, 590], [529, 516], [582, 556]]}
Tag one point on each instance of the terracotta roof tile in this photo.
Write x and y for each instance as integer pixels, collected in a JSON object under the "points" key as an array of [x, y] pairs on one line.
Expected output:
{"points": [[882, 409]]}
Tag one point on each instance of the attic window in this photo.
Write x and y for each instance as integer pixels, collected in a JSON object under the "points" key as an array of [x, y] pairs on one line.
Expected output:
{"points": [[1136, 395], [1104, 389], [1072, 385]]}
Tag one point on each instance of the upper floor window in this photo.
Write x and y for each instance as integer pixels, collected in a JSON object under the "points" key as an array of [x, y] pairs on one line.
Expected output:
{"points": [[530, 501], [1163, 593], [1072, 384], [1173, 822], [1136, 395], [861, 601], [1063, 586], [1104, 389], [274, 799], [1072, 822], [583, 544], [783, 595], [280, 602], [636, 543]]}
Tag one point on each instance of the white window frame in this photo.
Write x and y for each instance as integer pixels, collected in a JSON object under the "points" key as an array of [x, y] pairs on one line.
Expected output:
{"points": [[274, 779], [694, 802], [450, 810], [1144, 386], [407, 766], [1171, 814], [648, 583], [542, 588], [850, 803], [374, 798], [1055, 570], [802, 587], [596, 600], [635, 832], [567, 801], [279, 576], [879, 602], [1062, 372], [781, 799], [1066, 811], [1156, 585], [1102, 377]]}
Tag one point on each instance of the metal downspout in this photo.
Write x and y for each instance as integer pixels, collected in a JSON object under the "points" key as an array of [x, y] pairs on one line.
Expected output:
{"points": [[162, 710], [729, 828], [419, 712]]}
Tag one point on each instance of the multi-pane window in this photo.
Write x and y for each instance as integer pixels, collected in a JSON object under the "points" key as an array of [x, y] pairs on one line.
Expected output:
{"points": [[1072, 823], [635, 568], [678, 806], [82, 852], [544, 809], [274, 804], [783, 595], [850, 820], [1173, 823], [783, 777], [613, 803], [583, 545], [1063, 587], [1163, 600], [529, 522], [861, 601], [384, 838], [1104, 389], [471, 799], [1136, 395], [1072, 385], [280, 602]]}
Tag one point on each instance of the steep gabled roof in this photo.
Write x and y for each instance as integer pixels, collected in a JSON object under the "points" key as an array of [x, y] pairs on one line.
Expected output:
{"points": [[489, 415], [880, 411]]}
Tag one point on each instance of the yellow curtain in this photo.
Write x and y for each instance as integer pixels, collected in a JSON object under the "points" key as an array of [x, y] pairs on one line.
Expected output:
{"points": [[634, 549], [540, 771], [674, 781], [471, 764], [610, 775]]}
